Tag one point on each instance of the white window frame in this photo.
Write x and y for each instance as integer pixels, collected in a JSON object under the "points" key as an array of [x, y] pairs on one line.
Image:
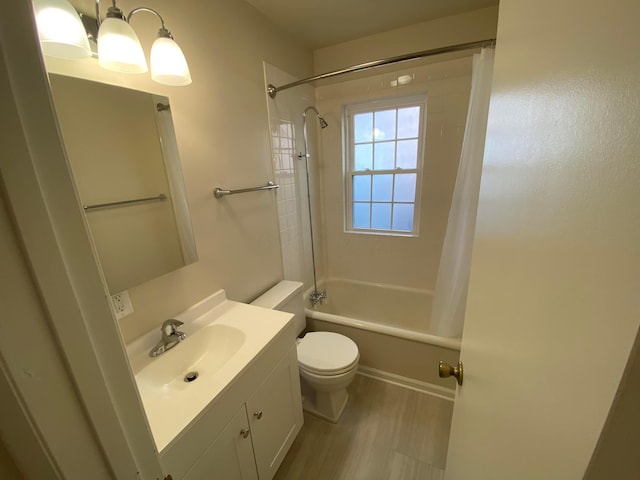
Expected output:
{"points": [[349, 111]]}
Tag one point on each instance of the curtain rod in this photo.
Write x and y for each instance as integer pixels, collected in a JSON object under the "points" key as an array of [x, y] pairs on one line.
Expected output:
{"points": [[272, 90]]}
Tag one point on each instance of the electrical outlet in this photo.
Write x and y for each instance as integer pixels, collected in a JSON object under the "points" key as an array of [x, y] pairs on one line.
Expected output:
{"points": [[122, 304]]}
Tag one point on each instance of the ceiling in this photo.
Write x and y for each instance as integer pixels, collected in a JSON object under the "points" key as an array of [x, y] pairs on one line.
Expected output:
{"points": [[319, 23]]}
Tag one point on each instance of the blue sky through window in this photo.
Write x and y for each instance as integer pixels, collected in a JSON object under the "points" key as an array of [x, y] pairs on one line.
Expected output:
{"points": [[384, 165]]}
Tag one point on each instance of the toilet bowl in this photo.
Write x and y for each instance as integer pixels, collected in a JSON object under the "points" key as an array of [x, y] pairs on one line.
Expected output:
{"points": [[327, 361]]}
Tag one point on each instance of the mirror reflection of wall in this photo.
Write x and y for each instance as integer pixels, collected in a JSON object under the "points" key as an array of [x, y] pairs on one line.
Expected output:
{"points": [[122, 147]]}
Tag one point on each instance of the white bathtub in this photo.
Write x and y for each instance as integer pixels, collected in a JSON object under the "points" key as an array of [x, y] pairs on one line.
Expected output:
{"points": [[390, 325]]}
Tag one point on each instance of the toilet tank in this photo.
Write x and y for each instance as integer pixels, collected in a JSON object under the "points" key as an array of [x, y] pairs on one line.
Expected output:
{"points": [[286, 296]]}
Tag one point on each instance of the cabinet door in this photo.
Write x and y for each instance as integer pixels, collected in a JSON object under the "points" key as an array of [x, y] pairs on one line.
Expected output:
{"points": [[230, 456], [275, 415]]}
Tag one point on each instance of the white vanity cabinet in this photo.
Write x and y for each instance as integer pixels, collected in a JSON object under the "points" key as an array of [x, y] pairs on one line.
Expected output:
{"points": [[275, 416], [230, 456], [247, 439]]}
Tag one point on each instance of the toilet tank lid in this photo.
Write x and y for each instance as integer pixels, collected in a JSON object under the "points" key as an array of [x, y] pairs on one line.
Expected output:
{"points": [[279, 294]]}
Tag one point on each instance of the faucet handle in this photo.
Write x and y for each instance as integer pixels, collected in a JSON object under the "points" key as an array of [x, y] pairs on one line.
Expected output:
{"points": [[172, 323]]}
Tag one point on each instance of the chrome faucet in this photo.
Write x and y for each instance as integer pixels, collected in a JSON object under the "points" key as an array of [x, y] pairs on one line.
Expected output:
{"points": [[170, 337], [317, 297]]}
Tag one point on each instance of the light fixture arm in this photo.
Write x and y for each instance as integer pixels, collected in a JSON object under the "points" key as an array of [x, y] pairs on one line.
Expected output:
{"points": [[98, 21], [163, 32], [116, 12]]}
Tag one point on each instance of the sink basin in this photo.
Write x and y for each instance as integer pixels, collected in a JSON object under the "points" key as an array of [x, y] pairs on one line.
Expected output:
{"points": [[203, 353]]}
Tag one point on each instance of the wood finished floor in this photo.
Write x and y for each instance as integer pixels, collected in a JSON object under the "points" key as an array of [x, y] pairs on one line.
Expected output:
{"points": [[387, 432]]}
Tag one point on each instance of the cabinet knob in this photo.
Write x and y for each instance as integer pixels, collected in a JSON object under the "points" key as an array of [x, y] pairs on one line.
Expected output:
{"points": [[258, 414], [244, 433]]}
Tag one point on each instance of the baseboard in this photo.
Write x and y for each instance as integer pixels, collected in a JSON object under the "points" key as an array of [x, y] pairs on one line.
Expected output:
{"points": [[413, 384]]}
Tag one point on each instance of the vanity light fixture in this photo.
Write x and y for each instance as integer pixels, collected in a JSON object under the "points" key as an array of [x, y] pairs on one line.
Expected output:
{"points": [[119, 49], [62, 35]]}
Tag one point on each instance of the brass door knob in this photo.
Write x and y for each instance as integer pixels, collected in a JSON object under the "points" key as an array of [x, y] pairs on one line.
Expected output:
{"points": [[445, 370]]}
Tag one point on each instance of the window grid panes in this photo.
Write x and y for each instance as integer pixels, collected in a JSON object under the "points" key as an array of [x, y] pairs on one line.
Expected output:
{"points": [[383, 170]]}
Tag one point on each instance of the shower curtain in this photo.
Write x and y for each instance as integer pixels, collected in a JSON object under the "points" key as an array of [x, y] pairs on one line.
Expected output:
{"points": [[447, 316]]}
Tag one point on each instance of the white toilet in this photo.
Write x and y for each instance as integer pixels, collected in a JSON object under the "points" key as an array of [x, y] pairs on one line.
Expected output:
{"points": [[327, 361]]}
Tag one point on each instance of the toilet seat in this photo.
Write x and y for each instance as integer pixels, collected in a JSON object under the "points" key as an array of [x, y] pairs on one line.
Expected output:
{"points": [[327, 353], [328, 373]]}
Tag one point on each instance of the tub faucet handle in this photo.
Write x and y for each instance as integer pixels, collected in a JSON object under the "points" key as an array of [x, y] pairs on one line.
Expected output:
{"points": [[318, 297]]}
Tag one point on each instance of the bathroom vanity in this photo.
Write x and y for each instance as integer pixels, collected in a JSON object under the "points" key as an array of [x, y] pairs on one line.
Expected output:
{"points": [[225, 402]]}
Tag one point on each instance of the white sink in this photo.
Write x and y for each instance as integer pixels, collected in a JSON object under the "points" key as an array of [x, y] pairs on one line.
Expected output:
{"points": [[223, 338], [200, 355]]}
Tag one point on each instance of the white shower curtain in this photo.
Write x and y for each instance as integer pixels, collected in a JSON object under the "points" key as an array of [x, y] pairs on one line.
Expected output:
{"points": [[447, 316]]}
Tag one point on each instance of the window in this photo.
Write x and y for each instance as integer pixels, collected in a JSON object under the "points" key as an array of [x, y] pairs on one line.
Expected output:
{"points": [[383, 165]]}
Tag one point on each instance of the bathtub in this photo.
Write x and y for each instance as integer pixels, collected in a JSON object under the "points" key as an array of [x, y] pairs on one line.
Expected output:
{"points": [[391, 327]]}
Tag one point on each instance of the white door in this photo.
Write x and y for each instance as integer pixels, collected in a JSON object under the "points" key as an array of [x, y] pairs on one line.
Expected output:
{"points": [[554, 295]]}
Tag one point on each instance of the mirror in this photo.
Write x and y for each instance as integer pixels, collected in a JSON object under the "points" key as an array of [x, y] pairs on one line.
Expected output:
{"points": [[124, 159]]}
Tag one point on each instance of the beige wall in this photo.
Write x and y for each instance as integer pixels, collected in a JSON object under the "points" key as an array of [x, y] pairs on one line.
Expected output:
{"points": [[222, 130], [466, 27]]}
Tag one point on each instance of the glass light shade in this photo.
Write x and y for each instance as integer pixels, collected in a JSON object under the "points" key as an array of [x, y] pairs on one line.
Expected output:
{"points": [[119, 48], [168, 65], [60, 29]]}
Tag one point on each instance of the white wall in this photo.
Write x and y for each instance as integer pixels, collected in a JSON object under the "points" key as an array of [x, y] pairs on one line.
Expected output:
{"points": [[221, 125]]}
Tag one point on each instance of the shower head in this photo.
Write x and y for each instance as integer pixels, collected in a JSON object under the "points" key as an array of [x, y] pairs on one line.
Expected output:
{"points": [[323, 122]]}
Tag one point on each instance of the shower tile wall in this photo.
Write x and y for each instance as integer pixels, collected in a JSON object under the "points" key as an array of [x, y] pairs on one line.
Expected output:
{"points": [[285, 119], [283, 151]]}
